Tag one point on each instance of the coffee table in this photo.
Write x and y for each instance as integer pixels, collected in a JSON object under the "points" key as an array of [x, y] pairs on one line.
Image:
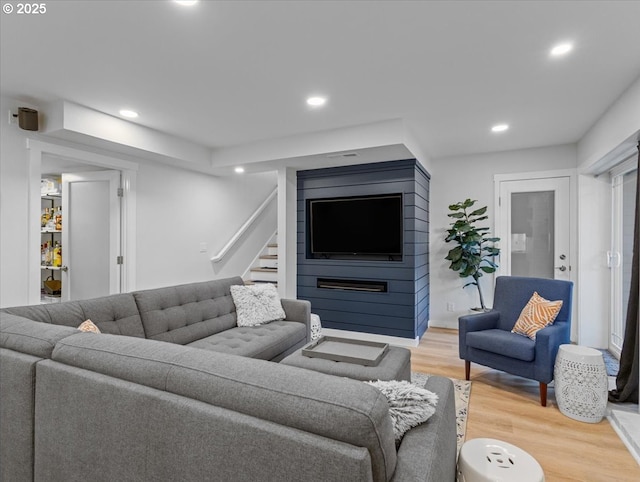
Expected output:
{"points": [[394, 365]]}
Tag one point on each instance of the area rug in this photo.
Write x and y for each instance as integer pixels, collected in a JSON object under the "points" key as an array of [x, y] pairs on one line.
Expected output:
{"points": [[610, 362], [462, 392]]}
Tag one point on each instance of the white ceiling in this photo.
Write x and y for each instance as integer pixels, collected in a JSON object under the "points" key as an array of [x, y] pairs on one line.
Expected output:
{"points": [[225, 74]]}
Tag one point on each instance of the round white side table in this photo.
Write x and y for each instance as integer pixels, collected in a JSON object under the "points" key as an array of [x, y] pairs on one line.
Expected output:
{"points": [[316, 327], [581, 383], [490, 460]]}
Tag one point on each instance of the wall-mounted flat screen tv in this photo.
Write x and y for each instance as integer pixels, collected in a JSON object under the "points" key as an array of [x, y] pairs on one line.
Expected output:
{"points": [[363, 225]]}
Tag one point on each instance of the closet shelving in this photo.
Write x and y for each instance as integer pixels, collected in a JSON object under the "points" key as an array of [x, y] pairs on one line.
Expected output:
{"points": [[50, 236]]}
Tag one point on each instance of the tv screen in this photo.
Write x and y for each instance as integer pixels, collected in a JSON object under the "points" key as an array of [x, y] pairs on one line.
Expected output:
{"points": [[365, 225]]}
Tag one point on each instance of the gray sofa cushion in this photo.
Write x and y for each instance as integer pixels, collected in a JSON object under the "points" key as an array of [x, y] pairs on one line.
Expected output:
{"points": [[186, 313], [263, 341], [428, 452], [17, 386], [68, 313], [23, 343], [31, 337], [93, 427], [300, 311], [115, 314], [339, 408]]}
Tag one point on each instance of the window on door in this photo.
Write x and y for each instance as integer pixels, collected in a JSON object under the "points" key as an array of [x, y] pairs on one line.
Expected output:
{"points": [[532, 234], [533, 224], [623, 182]]}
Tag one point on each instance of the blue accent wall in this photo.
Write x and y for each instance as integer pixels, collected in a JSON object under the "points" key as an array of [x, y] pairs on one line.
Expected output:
{"points": [[403, 310]]}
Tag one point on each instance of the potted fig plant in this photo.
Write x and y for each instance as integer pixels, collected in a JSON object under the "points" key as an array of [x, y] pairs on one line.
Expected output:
{"points": [[475, 251]]}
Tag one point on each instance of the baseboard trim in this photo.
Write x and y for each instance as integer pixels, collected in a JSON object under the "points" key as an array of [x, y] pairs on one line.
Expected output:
{"points": [[391, 340], [451, 324]]}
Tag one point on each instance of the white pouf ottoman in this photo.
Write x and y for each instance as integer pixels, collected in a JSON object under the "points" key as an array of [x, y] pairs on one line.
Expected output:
{"points": [[581, 383], [490, 460]]}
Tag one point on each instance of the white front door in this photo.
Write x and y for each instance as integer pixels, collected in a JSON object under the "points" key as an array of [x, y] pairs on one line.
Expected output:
{"points": [[534, 227], [90, 234]]}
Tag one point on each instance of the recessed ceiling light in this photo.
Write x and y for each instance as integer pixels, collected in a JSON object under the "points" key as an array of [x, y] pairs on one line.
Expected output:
{"points": [[500, 128], [131, 114], [239, 169], [316, 101], [186, 3], [561, 49]]}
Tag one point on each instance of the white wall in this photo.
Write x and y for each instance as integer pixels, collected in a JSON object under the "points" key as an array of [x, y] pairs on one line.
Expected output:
{"points": [[620, 124], [14, 207], [177, 210], [454, 179]]}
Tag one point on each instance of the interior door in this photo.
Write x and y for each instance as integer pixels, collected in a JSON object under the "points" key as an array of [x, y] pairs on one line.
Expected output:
{"points": [[620, 258], [90, 234], [534, 227]]}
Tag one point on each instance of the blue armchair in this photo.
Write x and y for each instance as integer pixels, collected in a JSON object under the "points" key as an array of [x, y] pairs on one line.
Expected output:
{"points": [[486, 338]]}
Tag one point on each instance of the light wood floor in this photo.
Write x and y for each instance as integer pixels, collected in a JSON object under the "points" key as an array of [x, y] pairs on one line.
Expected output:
{"points": [[507, 407]]}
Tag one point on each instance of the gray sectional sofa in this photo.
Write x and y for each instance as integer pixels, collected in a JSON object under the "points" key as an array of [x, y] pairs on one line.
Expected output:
{"points": [[173, 390]]}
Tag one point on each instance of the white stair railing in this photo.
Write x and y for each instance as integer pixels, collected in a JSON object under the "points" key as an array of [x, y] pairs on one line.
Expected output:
{"points": [[225, 249]]}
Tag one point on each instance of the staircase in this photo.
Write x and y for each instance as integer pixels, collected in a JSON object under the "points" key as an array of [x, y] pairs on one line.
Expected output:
{"points": [[267, 271]]}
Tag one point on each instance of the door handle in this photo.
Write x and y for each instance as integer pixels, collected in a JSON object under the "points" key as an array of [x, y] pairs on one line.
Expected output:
{"points": [[64, 268], [562, 268]]}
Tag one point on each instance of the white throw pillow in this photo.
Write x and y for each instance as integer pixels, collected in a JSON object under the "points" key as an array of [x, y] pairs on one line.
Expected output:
{"points": [[409, 404], [256, 304]]}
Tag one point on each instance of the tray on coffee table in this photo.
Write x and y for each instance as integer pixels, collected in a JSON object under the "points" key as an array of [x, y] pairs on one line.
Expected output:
{"points": [[359, 352]]}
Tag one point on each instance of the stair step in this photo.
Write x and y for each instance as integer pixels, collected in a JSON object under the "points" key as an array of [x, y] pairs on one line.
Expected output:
{"points": [[269, 262], [264, 274], [250, 282], [272, 249]]}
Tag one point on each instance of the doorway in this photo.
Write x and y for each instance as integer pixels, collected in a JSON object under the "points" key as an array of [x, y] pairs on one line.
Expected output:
{"points": [[91, 234], [534, 227], [95, 185], [623, 188], [535, 222]]}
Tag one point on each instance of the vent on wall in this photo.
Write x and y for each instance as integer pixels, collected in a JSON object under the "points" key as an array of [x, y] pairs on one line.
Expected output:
{"points": [[342, 154]]}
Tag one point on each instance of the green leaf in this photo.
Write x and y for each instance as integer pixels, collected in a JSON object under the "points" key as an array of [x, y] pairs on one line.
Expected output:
{"points": [[472, 237], [488, 269], [478, 212], [455, 254], [456, 215], [458, 265], [468, 271]]}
